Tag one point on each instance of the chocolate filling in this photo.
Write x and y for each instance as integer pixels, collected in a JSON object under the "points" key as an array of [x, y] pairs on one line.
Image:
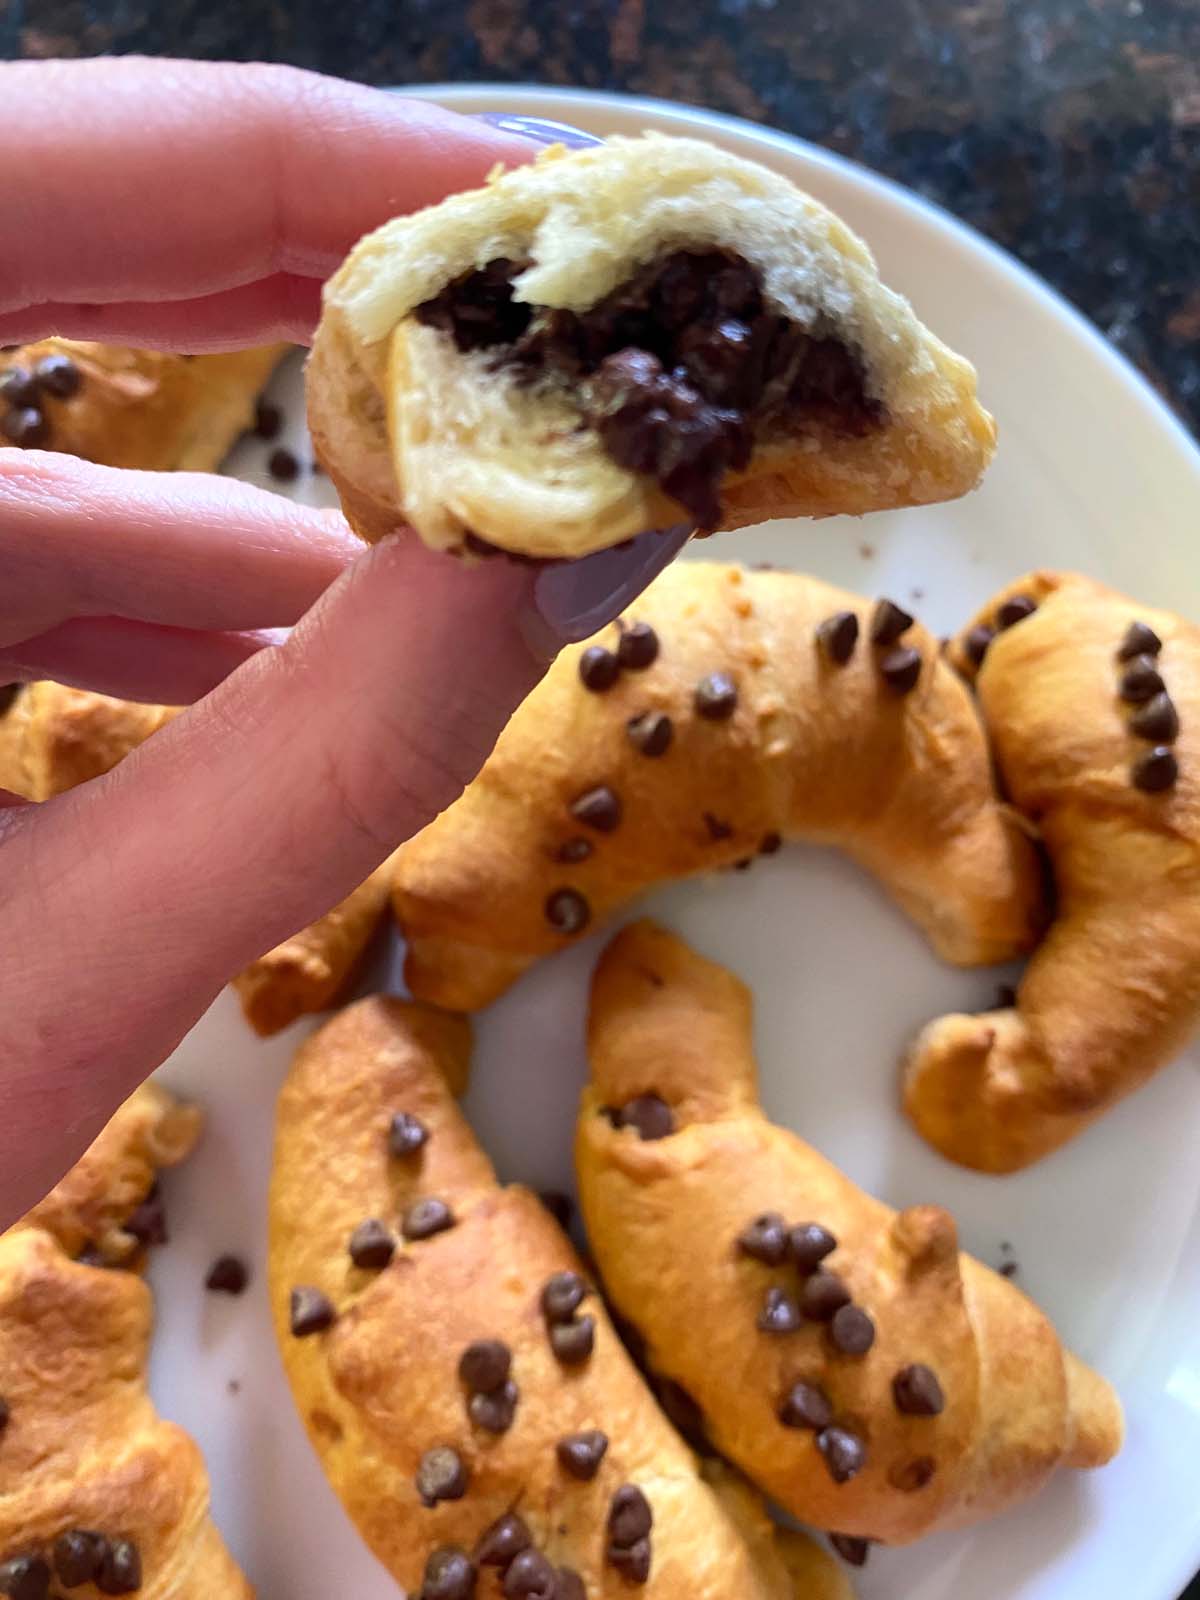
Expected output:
{"points": [[681, 369]]}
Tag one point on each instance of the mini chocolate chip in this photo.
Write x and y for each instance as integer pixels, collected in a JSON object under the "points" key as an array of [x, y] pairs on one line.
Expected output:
{"points": [[18, 387], [1008, 1269], [853, 1551], [648, 1116], [147, 1222], [844, 1452], [1140, 640], [598, 808], [651, 733], [449, 1575], [976, 642], [823, 1296], [766, 1239], [441, 1475], [810, 1244], [629, 1516], [503, 1541], [1141, 680], [227, 1275], [78, 1555], [900, 669], [1015, 610], [8, 693], [779, 1313], [770, 844], [485, 1364], [372, 1245], [574, 851], [406, 1135], [716, 697], [638, 648], [57, 375], [283, 466], [805, 1405], [743, 865], [311, 1312], [5, 1415], [572, 1342], [531, 1577], [909, 1476], [1156, 721], [581, 1453], [425, 1218], [567, 911], [570, 1585], [888, 622], [560, 1206], [495, 1412], [120, 1568], [562, 1296], [717, 830], [25, 1578], [1156, 771], [268, 420], [25, 425], [633, 1563], [917, 1392], [1006, 997], [599, 668], [838, 635], [852, 1330]]}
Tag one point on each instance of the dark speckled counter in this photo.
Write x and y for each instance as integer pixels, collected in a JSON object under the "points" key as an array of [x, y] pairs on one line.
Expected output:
{"points": [[1066, 130]]}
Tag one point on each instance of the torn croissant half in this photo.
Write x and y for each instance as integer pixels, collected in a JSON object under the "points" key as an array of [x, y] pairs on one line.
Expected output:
{"points": [[648, 333]]}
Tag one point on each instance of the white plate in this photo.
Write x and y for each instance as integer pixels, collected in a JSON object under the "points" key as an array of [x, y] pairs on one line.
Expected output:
{"points": [[1092, 472]]}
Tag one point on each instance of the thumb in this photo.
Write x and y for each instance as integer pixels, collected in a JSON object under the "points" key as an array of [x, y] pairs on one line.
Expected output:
{"points": [[126, 904]]}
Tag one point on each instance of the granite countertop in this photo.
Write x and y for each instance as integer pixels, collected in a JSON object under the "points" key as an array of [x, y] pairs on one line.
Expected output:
{"points": [[1066, 130]]}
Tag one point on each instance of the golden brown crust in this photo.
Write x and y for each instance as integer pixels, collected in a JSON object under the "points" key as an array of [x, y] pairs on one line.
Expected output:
{"points": [[381, 1387], [144, 408], [664, 1216], [813, 751], [52, 738], [1113, 992], [412, 430], [307, 972], [83, 1446]]}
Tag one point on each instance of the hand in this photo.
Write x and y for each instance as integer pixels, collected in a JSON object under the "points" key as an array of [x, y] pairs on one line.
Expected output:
{"points": [[199, 207]]}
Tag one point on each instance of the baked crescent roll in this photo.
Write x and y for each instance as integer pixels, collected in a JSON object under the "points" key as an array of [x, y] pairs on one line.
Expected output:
{"points": [[96, 1490], [471, 1404], [52, 738], [646, 333], [131, 408], [1093, 706], [726, 710], [868, 1376]]}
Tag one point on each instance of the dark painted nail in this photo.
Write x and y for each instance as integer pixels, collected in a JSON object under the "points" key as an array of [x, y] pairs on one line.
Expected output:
{"points": [[573, 599]]}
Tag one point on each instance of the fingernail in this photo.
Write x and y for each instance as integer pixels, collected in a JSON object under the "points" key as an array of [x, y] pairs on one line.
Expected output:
{"points": [[540, 130], [573, 599]]}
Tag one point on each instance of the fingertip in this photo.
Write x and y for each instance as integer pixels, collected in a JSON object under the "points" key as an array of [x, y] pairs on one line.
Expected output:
{"points": [[571, 600]]}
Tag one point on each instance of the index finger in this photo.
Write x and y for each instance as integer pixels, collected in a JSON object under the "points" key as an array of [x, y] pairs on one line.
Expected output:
{"points": [[152, 181]]}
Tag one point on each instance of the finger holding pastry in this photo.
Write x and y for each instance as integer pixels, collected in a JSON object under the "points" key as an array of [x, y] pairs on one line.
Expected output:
{"points": [[1092, 703], [862, 1371]]}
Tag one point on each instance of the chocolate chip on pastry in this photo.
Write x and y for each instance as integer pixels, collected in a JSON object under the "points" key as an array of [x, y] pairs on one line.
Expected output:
{"points": [[590, 1487], [670, 335], [133, 408], [903, 783], [1113, 991], [96, 1489], [54, 737], [828, 1421]]}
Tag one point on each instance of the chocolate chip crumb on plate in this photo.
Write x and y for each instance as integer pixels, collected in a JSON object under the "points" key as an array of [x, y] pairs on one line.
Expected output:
{"points": [[1091, 474]]}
